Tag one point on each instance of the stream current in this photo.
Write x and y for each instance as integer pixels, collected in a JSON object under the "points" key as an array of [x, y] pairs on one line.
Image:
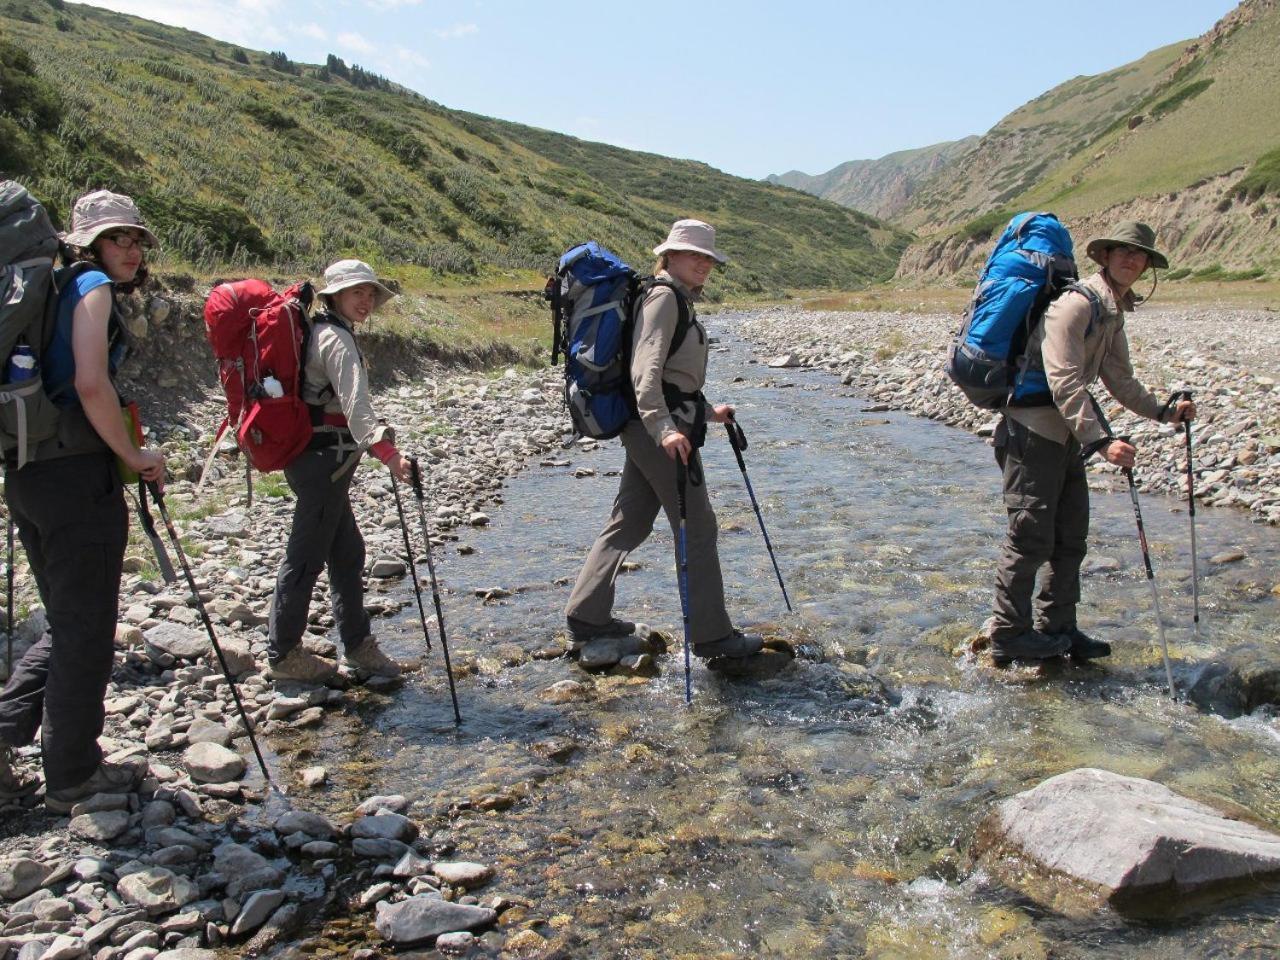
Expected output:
{"points": [[813, 814]]}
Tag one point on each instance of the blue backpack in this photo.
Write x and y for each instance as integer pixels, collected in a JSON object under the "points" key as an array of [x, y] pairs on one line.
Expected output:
{"points": [[594, 295], [1032, 264]]}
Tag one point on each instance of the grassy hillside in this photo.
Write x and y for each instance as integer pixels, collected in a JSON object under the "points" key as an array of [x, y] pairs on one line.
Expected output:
{"points": [[883, 187], [243, 159]]}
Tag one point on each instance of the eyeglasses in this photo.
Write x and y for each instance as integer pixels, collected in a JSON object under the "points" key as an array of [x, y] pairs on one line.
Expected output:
{"points": [[127, 241]]}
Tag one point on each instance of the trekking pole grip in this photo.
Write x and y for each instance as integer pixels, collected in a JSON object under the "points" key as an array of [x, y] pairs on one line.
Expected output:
{"points": [[415, 477]]}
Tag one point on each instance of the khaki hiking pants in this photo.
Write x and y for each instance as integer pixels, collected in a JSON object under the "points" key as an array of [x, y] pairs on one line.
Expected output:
{"points": [[1047, 498], [649, 484]]}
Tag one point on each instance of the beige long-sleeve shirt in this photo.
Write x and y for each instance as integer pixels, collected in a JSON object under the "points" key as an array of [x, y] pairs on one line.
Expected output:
{"points": [[1076, 351], [336, 377], [652, 361]]}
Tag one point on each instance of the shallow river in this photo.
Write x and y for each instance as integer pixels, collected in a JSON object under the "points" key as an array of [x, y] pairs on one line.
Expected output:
{"points": [[805, 816]]}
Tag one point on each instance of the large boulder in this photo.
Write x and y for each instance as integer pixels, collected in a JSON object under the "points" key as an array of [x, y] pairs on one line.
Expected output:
{"points": [[1130, 843], [1247, 679]]}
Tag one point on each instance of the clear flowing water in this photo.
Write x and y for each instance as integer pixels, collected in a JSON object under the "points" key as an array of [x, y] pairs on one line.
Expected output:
{"points": [[796, 816]]}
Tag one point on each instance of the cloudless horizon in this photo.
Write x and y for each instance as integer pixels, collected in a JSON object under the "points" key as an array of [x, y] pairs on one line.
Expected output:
{"points": [[751, 88]]}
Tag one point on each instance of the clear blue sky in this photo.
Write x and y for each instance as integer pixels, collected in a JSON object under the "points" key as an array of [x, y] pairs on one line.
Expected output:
{"points": [[752, 87]]}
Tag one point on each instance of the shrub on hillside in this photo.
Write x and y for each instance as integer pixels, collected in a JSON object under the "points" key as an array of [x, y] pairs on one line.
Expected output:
{"points": [[199, 230], [1263, 177], [29, 108]]}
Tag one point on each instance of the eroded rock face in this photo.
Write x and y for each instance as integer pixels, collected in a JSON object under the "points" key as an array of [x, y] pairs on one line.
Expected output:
{"points": [[1140, 847]]}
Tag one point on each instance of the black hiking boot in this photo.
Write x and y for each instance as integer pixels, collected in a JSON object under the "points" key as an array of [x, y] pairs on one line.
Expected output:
{"points": [[1031, 645], [1083, 646], [582, 632], [15, 783], [736, 645]]}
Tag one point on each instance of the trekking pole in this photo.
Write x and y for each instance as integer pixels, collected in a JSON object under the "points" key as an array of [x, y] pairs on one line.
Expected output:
{"points": [[413, 570], [738, 440], [415, 477], [8, 610], [1191, 509], [1151, 575], [158, 496], [683, 579]]}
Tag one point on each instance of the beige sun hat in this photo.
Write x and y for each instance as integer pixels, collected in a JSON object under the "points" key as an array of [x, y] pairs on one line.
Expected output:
{"points": [[352, 273], [1127, 233], [96, 213], [694, 235]]}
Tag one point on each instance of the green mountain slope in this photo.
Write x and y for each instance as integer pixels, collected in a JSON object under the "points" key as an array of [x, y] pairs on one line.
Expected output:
{"points": [[1185, 138], [883, 187], [241, 158]]}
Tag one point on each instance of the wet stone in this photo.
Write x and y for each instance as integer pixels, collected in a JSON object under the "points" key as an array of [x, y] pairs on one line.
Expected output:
{"points": [[387, 568], [302, 821], [423, 918], [385, 826], [256, 910], [392, 803], [462, 873]]}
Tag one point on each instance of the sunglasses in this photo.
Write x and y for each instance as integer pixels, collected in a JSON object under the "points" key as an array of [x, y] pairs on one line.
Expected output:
{"points": [[127, 241], [1129, 250]]}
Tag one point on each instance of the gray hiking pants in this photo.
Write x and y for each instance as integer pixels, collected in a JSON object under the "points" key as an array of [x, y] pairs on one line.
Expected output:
{"points": [[71, 516], [1047, 498], [648, 485], [324, 533]]}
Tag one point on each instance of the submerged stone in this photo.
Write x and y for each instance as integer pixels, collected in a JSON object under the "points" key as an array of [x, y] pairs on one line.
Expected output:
{"points": [[423, 918], [1137, 845]]}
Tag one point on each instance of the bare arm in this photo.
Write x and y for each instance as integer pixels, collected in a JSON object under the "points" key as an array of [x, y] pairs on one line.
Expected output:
{"points": [[93, 384]]}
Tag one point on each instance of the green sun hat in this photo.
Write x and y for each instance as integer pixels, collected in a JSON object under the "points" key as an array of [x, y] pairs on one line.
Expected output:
{"points": [[1128, 233]]}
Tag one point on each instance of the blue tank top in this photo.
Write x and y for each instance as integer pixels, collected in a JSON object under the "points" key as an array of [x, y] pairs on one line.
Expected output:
{"points": [[59, 359]]}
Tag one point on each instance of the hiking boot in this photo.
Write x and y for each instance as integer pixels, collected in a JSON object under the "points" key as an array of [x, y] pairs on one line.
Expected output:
{"points": [[14, 783], [1083, 646], [303, 667], [369, 659], [582, 632], [108, 778], [736, 644], [1030, 645]]}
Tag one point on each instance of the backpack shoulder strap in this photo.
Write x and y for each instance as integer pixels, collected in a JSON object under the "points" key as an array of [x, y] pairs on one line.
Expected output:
{"points": [[1095, 304], [684, 320]]}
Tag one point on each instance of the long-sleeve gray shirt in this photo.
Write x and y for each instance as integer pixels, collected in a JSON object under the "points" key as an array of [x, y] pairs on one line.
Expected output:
{"points": [[652, 361], [336, 378]]}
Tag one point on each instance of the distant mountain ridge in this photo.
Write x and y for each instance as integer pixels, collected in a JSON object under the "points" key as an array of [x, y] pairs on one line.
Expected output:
{"points": [[883, 187], [1186, 137]]}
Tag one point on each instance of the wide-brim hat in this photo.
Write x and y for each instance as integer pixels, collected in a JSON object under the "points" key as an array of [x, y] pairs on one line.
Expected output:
{"points": [[352, 273], [1127, 233], [692, 235], [96, 213]]}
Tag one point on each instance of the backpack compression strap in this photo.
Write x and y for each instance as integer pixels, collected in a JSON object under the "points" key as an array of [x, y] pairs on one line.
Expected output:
{"points": [[683, 321]]}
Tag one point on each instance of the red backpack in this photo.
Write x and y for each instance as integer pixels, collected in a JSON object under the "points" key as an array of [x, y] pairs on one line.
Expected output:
{"points": [[258, 334]]}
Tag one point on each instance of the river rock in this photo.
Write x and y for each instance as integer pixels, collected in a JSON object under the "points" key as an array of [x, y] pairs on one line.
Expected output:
{"points": [[175, 641], [565, 691], [387, 568], [64, 948], [455, 944], [385, 826], [204, 730], [421, 919], [783, 360], [21, 876], [301, 821], [103, 825], [187, 953], [1241, 682], [211, 763], [392, 803], [1138, 845], [255, 911], [157, 890], [1227, 556], [231, 524], [462, 873]]}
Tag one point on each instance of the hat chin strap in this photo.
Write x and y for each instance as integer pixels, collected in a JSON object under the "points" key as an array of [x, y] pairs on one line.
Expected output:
{"points": [[1155, 282]]}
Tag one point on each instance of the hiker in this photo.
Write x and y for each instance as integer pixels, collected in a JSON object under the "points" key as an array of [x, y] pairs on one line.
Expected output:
{"points": [[672, 415], [68, 505], [1042, 449], [324, 531]]}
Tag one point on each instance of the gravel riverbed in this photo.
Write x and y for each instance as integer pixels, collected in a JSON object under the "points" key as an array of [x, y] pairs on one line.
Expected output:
{"points": [[1229, 359]]}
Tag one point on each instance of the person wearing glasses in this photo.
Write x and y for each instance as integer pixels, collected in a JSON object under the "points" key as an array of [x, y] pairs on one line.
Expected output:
{"points": [[68, 505], [1042, 450]]}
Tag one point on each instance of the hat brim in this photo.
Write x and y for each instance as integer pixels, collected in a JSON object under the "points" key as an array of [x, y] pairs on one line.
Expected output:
{"points": [[1098, 247], [85, 238], [667, 246], [384, 294]]}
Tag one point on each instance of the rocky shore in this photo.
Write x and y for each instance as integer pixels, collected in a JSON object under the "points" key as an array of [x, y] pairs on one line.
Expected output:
{"points": [[202, 856], [1229, 359]]}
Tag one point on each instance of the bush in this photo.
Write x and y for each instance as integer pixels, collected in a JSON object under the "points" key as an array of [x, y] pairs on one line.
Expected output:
{"points": [[1190, 91], [199, 229], [268, 116], [1263, 177], [985, 226]]}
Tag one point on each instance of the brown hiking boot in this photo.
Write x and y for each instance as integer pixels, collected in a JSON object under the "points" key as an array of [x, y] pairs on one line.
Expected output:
{"points": [[368, 659], [737, 644], [14, 783], [108, 778], [303, 667]]}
